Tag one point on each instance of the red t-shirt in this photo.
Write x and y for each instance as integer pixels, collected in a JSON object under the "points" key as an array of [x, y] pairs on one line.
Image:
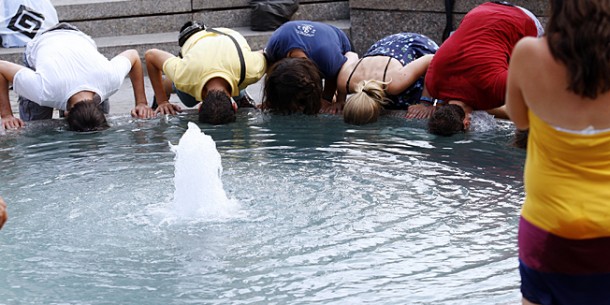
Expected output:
{"points": [[472, 64]]}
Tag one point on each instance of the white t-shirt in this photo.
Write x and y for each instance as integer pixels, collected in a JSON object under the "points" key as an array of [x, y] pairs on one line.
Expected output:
{"points": [[20, 20], [65, 62]]}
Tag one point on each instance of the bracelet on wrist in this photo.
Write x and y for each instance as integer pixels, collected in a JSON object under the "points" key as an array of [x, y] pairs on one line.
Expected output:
{"points": [[432, 101]]}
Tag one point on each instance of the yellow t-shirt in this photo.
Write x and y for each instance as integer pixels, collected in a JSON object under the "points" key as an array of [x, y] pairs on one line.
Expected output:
{"points": [[567, 181], [208, 55]]}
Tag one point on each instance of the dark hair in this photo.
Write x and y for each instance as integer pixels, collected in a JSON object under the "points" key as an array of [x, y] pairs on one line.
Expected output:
{"points": [[520, 138], [87, 115], [293, 85], [447, 120], [217, 108], [578, 33]]}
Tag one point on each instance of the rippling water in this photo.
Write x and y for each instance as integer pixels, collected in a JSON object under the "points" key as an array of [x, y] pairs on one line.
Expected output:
{"points": [[330, 214]]}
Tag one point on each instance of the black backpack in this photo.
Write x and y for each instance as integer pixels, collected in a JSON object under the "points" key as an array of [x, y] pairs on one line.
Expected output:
{"points": [[268, 15]]}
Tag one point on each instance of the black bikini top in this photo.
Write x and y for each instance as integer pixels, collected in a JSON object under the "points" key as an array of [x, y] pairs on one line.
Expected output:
{"points": [[356, 67]]}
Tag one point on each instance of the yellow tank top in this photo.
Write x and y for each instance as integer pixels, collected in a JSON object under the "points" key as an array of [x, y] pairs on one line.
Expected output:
{"points": [[567, 181]]}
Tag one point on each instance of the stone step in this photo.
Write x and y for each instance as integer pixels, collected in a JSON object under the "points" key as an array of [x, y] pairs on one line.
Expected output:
{"points": [[103, 18], [424, 17], [539, 8], [113, 45]]}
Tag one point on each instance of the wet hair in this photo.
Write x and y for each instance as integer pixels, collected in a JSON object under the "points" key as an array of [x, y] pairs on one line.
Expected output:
{"points": [[578, 33], [217, 108], [447, 120], [366, 104], [87, 115], [293, 85]]}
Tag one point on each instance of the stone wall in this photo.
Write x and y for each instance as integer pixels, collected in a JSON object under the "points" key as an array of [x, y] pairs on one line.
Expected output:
{"points": [[374, 19]]}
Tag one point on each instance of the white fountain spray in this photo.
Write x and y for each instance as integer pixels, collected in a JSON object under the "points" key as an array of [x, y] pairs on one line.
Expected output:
{"points": [[198, 169]]}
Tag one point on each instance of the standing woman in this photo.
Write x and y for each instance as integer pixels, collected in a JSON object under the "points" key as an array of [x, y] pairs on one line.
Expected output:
{"points": [[389, 75], [559, 89]]}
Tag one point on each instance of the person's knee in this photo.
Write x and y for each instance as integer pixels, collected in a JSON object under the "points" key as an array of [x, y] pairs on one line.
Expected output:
{"points": [[31, 111]]}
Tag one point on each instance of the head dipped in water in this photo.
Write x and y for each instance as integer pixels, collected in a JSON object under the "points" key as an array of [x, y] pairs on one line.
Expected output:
{"points": [[447, 120], [366, 104], [293, 85], [217, 108], [87, 115]]}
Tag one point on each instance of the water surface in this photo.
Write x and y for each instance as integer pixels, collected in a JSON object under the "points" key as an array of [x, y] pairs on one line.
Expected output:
{"points": [[329, 214]]}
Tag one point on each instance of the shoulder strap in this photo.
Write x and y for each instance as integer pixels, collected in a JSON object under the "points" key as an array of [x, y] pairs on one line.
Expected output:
{"points": [[385, 71], [242, 73], [351, 74], [448, 18]]}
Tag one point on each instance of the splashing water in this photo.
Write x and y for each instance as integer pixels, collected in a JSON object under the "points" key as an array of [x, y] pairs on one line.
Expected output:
{"points": [[481, 121], [198, 169]]}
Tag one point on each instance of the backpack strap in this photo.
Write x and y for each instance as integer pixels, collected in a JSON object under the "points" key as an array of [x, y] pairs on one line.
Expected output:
{"points": [[448, 18], [242, 73]]}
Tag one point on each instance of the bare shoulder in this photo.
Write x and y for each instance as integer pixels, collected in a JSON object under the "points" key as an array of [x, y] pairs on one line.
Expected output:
{"points": [[530, 49], [531, 56]]}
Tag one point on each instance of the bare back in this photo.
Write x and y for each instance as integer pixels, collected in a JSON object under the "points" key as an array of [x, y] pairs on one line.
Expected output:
{"points": [[540, 82], [376, 67], [367, 68]]}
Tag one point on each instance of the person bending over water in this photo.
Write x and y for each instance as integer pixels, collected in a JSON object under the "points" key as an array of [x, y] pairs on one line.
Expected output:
{"points": [[559, 88], [214, 65], [294, 84], [469, 70], [65, 71], [390, 75]]}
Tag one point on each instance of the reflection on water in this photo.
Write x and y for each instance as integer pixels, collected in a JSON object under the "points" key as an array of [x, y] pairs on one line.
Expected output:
{"points": [[332, 214]]}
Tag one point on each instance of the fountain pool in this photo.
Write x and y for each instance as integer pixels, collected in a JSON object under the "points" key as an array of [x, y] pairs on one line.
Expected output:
{"points": [[327, 214]]}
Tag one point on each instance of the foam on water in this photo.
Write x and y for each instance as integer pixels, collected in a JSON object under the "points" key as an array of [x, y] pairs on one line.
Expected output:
{"points": [[481, 121], [199, 191]]}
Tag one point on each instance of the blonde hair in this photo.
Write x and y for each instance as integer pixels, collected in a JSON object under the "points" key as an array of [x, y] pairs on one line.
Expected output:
{"points": [[365, 105]]}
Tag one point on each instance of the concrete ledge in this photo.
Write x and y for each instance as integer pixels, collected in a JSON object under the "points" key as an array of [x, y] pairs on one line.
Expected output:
{"points": [[14, 55], [133, 25], [100, 18], [240, 17], [215, 4], [539, 8], [112, 45], [427, 23], [335, 10], [74, 10]]}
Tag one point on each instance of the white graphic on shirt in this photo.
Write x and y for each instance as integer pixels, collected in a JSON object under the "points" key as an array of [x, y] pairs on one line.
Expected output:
{"points": [[306, 30]]}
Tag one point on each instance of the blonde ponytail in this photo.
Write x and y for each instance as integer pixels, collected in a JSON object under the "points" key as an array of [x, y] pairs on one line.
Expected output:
{"points": [[365, 105]]}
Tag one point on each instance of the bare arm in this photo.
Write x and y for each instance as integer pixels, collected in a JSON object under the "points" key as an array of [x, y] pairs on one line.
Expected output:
{"points": [[7, 73], [421, 110], [516, 107], [136, 75], [154, 64], [3, 214], [330, 88], [499, 113], [328, 96], [409, 74]]}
